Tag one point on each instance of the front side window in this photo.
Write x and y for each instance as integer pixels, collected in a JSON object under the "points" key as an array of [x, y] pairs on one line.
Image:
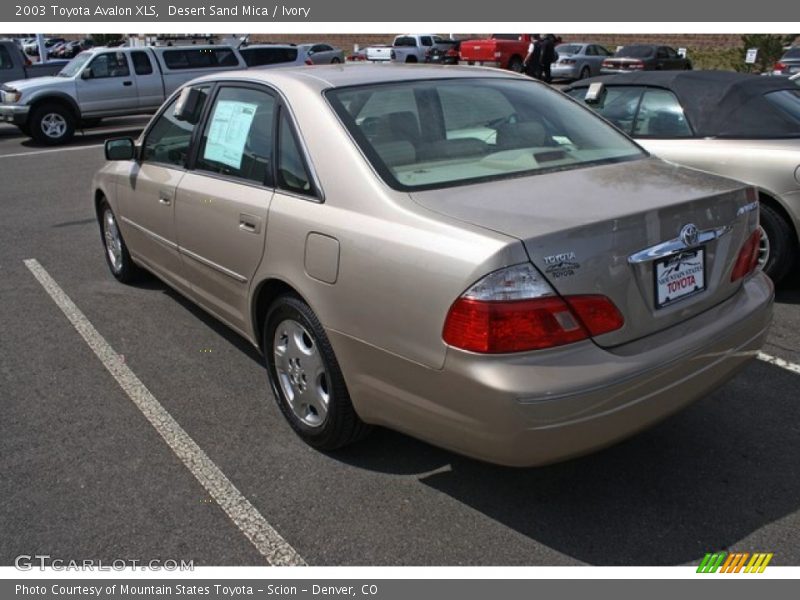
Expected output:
{"points": [[428, 134], [619, 105], [237, 141], [110, 64], [169, 139], [661, 116], [5, 59]]}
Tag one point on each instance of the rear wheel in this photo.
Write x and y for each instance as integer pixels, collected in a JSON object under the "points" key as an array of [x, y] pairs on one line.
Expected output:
{"points": [[335, 60], [411, 59], [777, 251], [585, 72], [305, 377], [515, 64], [52, 124]]}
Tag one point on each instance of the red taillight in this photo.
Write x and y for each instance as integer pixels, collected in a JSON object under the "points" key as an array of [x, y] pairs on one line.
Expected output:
{"points": [[636, 65], [608, 63], [778, 66], [452, 53], [309, 62], [747, 261], [515, 310]]}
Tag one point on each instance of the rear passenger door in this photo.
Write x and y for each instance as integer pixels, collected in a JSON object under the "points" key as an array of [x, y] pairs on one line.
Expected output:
{"points": [[222, 202]]}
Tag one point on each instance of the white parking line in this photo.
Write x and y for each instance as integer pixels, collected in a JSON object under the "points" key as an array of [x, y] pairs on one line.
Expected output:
{"points": [[34, 152], [255, 527], [779, 362]]}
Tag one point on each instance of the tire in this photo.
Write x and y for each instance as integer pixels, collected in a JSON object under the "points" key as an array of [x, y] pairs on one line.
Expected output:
{"points": [[777, 253], [411, 59], [52, 124], [335, 60], [305, 377], [585, 72], [116, 252], [515, 64]]}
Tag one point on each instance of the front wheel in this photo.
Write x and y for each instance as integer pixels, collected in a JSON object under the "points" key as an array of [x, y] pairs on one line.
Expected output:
{"points": [[116, 252], [52, 124], [305, 377], [515, 64], [777, 252]]}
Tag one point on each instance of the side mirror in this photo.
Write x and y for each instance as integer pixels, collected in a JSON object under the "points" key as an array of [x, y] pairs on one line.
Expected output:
{"points": [[86, 73], [596, 94], [120, 149], [189, 105]]}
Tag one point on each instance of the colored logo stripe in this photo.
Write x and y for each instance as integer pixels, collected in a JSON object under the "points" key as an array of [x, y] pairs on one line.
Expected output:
{"points": [[734, 562]]}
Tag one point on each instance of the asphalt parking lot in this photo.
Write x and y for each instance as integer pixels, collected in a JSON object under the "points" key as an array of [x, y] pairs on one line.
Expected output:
{"points": [[84, 474]]}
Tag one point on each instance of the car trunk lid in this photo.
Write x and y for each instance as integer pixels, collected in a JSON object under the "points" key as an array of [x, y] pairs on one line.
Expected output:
{"points": [[608, 229], [479, 50]]}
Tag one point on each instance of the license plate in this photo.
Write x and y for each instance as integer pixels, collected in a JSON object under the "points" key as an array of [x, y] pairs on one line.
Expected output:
{"points": [[680, 276]]}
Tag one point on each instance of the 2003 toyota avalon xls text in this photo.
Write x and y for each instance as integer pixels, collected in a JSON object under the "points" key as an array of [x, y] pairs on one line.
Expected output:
{"points": [[464, 255]]}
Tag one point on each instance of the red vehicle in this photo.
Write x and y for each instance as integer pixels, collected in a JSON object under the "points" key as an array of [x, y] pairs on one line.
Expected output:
{"points": [[503, 50]]}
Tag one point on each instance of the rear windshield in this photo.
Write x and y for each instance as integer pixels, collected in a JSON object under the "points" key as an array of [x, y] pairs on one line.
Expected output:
{"points": [[792, 52], [635, 52], [440, 133], [568, 49], [256, 57], [405, 41]]}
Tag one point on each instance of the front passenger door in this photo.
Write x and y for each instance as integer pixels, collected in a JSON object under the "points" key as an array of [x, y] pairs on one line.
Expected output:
{"points": [[222, 203]]}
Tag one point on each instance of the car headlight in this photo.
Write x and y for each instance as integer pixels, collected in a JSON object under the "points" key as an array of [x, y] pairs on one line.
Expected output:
{"points": [[10, 96]]}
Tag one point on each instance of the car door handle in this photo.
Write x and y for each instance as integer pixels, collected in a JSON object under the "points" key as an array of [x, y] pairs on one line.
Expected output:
{"points": [[126, 83], [249, 223], [165, 197]]}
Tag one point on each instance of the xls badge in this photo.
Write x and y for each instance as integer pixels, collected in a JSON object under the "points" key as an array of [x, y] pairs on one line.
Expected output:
{"points": [[561, 265]]}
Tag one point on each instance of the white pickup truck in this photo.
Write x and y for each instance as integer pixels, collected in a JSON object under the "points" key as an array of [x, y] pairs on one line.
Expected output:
{"points": [[105, 82], [413, 47], [379, 53]]}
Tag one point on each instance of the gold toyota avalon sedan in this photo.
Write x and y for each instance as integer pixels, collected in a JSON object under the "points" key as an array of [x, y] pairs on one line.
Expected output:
{"points": [[461, 254]]}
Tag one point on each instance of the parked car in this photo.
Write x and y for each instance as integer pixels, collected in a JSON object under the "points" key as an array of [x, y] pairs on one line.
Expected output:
{"points": [[105, 82], [578, 60], [287, 55], [445, 52], [320, 54], [14, 64], [732, 124], [644, 57], [789, 63], [32, 48], [378, 53], [413, 47], [350, 239], [503, 50], [73, 48]]}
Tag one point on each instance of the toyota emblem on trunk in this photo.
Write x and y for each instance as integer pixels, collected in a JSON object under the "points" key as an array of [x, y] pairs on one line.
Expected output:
{"points": [[689, 234]]}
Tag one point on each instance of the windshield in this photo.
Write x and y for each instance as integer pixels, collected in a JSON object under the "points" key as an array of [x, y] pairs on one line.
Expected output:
{"points": [[568, 49], [635, 52], [439, 133], [75, 65]]}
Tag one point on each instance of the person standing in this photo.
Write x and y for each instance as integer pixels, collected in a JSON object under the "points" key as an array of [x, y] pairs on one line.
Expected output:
{"points": [[548, 56], [533, 61]]}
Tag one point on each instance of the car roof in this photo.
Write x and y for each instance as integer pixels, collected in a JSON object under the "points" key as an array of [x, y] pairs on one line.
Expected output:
{"points": [[717, 103], [320, 77]]}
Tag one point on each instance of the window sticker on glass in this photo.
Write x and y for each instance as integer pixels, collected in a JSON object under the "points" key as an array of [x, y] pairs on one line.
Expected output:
{"points": [[228, 131]]}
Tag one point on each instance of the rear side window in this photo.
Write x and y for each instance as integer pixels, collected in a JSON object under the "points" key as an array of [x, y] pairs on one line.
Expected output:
{"points": [[293, 175], [256, 57], [200, 58], [5, 59], [237, 141], [405, 41], [141, 63], [661, 116], [788, 102], [169, 139]]}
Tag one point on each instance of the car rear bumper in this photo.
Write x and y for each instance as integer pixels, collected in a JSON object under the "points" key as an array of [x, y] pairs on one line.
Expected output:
{"points": [[564, 71], [482, 63], [14, 113], [542, 407]]}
